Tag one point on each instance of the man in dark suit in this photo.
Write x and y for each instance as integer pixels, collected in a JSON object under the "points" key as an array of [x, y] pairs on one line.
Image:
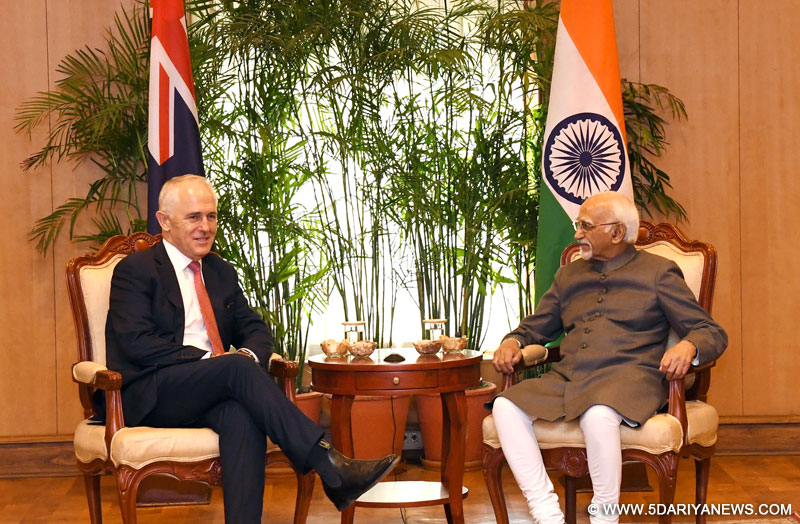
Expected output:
{"points": [[174, 312]]}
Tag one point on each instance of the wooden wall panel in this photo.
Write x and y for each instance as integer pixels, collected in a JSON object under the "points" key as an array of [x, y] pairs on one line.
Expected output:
{"points": [[39, 338], [626, 22], [769, 50], [691, 48], [27, 360], [72, 24]]}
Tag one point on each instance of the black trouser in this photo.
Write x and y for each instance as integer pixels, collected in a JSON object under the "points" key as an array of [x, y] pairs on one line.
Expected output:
{"points": [[232, 395]]}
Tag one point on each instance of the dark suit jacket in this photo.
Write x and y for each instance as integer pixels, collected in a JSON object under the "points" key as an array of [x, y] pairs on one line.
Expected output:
{"points": [[144, 328]]}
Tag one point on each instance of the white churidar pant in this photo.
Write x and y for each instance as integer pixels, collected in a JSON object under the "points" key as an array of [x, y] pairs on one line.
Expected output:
{"points": [[601, 430]]}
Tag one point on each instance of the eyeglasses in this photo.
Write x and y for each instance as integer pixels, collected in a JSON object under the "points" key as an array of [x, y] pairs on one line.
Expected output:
{"points": [[588, 226]]}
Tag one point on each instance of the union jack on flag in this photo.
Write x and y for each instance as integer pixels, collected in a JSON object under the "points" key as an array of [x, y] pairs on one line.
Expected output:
{"points": [[173, 140]]}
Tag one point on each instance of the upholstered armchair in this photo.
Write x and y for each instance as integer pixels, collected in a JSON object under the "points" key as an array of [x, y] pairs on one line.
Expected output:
{"points": [[134, 453], [688, 429]]}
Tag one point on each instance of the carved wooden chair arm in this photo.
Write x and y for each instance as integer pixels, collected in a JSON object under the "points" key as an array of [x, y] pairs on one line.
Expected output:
{"points": [[677, 394], [108, 380], [286, 372], [92, 376], [532, 355]]}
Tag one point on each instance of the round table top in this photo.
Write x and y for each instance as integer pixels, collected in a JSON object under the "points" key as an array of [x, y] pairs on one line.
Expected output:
{"points": [[411, 360]]}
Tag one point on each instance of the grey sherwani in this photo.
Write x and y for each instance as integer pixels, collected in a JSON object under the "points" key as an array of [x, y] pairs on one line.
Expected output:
{"points": [[616, 316]]}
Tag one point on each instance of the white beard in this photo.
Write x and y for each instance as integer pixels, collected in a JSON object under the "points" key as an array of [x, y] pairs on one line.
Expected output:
{"points": [[586, 250]]}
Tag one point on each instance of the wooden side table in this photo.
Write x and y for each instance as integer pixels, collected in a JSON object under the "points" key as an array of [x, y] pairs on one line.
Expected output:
{"points": [[447, 374]]}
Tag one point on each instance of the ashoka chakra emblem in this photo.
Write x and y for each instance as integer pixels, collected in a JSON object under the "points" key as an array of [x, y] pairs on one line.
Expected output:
{"points": [[583, 156]]}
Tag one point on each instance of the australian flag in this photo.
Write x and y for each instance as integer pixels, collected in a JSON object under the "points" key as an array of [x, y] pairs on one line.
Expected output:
{"points": [[173, 140]]}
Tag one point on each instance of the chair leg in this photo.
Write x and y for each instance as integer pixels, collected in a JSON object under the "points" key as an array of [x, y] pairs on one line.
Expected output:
{"points": [[305, 488], [92, 485], [127, 488], [667, 472], [493, 460], [702, 468], [570, 500]]}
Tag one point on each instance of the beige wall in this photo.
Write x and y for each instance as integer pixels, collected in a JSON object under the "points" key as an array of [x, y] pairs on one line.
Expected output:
{"points": [[732, 165], [735, 65], [38, 336]]}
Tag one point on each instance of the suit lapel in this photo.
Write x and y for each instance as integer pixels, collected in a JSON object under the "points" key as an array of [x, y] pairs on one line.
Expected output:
{"points": [[167, 278]]}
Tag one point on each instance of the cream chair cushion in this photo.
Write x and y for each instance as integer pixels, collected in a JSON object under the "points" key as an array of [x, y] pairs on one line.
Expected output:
{"points": [[96, 287], [703, 423], [139, 446], [661, 433], [90, 442], [691, 265], [85, 371]]}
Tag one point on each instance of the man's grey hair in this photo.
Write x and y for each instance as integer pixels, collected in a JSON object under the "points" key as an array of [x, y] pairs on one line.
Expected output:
{"points": [[625, 212], [169, 191]]}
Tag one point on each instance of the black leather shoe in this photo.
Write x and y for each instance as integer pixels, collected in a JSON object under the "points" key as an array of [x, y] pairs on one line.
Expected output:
{"points": [[356, 476]]}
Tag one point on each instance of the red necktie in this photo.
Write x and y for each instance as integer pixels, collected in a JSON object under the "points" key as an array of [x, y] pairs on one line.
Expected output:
{"points": [[206, 310]]}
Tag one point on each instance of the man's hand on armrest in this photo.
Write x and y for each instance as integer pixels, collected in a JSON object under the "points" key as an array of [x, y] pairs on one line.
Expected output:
{"points": [[677, 360], [508, 354], [273, 356]]}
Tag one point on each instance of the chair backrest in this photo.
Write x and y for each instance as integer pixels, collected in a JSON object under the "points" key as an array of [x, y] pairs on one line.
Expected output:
{"points": [[89, 285], [697, 260]]}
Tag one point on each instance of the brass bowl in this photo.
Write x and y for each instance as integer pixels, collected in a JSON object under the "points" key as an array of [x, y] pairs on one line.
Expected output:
{"points": [[453, 344], [363, 348], [335, 348], [428, 347]]}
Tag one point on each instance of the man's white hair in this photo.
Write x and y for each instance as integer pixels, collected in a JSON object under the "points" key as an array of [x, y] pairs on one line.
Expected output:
{"points": [[624, 211], [169, 191]]}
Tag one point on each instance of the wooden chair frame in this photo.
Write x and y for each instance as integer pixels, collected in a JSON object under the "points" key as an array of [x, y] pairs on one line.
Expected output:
{"points": [[571, 461], [128, 478]]}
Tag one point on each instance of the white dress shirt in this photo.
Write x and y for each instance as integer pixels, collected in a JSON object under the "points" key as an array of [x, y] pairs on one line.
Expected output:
{"points": [[194, 328]]}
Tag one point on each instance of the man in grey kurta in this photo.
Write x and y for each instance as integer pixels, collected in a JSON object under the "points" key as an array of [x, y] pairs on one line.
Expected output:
{"points": [[616, 307]]}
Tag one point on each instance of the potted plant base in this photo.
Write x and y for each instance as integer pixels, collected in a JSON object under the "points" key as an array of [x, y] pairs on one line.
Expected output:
{"points": [[310, 403], [429, 410], [378, 425]]}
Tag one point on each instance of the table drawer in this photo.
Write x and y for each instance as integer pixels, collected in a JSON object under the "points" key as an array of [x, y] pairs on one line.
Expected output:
{"points": [[398, 380]]}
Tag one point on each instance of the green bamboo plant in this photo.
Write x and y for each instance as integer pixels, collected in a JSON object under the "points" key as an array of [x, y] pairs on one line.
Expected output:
{"points": [[267, 230], [464, 176]]}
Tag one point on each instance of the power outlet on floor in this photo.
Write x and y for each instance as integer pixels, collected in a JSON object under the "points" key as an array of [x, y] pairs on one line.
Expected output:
{"points": [[412, 440]]}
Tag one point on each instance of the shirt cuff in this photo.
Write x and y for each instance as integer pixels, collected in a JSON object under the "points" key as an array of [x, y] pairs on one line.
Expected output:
{"points": [[249, 353], [513, 337]]}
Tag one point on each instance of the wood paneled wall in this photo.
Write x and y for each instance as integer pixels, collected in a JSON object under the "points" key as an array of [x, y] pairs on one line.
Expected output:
{"points": [[732, 164], [692, 48], [735, 65], [38, 349]]}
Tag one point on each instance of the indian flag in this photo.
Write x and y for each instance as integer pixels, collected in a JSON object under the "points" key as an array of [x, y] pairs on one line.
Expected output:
{"points": [[584, 139]]}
